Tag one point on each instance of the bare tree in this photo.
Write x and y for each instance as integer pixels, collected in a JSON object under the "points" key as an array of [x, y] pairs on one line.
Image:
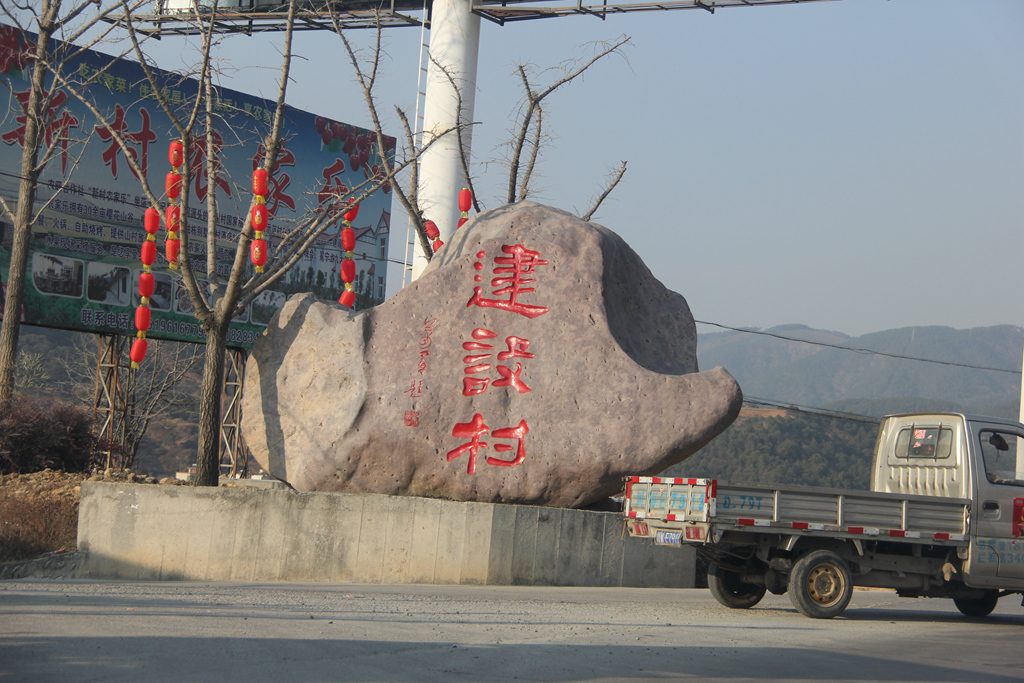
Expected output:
{"points": [[43, 134], [228, 297], [165, 384], [530, 118]]}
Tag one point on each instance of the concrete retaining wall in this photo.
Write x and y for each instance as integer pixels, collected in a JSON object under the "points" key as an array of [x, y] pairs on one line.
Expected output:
{"points": [[146, 532]]}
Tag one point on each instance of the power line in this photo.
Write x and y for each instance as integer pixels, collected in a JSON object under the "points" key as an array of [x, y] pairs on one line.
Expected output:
{"points": [[754, 402], [859, 350]]}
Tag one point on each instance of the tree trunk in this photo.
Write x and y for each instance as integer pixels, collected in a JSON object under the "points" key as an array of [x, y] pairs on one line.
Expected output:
{"points": [[208, 460], [23, 222]]}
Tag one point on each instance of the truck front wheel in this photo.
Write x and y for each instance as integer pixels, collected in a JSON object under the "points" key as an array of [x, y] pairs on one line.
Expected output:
{"points": [[820, 586], [729, 589], [977, 607]]}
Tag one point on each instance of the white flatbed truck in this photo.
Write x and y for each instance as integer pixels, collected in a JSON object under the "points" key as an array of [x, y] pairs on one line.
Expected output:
{"points": [[944, 518]]}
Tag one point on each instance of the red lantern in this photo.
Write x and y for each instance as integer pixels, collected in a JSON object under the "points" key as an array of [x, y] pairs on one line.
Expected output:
{"points": [[348, 298], [151, 221], [171, 248], [462, 221], [173, 218], [176, 153], [259, 182], [173, 185], [139, 350], [142, 318], [465, 199], [148, 255], [351, 214], [431, 228], [437, 245], [258, 252], [146, 280], [348, 270], [348, 239], [259, 217]]}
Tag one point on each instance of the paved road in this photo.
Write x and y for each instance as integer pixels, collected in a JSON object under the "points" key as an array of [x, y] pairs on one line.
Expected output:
{"points": [[155, 632]]}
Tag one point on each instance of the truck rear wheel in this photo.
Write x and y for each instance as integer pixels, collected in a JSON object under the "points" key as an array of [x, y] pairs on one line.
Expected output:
{"points": [[729, 589], [977, 607], [820, 585]]}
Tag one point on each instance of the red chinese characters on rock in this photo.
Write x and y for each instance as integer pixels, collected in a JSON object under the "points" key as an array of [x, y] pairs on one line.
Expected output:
{"points": [[511, 279], [475, 429], [481, 351]]}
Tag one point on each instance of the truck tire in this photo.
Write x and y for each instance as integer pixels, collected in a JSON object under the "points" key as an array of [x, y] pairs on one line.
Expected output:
{"points": [[820, 585], [731, 590], [977, 607]]}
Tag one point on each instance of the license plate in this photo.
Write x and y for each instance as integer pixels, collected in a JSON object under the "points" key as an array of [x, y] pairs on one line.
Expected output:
{"points": [[663, 537]]}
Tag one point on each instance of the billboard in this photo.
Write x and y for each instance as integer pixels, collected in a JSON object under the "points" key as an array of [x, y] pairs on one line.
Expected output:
{"points": [[85, 247]]}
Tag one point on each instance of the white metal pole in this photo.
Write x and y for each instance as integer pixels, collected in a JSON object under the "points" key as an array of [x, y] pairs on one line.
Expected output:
{"points": [[454, 45]]}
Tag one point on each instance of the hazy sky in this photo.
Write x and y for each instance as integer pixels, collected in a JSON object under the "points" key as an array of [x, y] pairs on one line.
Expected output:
{"points": [[854, 165]]}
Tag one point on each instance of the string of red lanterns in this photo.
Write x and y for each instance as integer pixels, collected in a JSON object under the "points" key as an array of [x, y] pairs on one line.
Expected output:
{"points": [[176, 155], [258, 248], [465, 201], [348, 265], [151, 222], [434, 235]]}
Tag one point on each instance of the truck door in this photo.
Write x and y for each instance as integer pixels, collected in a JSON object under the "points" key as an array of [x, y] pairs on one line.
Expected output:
{"points": [[999, 510]]}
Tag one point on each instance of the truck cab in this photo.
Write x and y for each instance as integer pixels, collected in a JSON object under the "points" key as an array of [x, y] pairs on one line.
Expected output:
{"points": [[931, 455]]}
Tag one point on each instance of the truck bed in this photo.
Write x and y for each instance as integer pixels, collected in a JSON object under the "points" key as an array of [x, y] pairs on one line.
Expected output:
{"points": [[681, 510]]}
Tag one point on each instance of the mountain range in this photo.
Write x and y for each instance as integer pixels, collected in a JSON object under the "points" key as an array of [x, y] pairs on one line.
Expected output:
{"points": [[795, 364]]}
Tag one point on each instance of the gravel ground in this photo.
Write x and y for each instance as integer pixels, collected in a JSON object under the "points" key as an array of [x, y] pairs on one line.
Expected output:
{"points": [[107, 631]]}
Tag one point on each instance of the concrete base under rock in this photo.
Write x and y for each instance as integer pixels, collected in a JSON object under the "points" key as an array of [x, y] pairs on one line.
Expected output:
{"points": [[140, 532]]}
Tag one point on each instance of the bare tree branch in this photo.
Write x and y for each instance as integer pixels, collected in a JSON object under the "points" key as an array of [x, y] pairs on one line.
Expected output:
{"points": [[607, 191], [534, 99]]}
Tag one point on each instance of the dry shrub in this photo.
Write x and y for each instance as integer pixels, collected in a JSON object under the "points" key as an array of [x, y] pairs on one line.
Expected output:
{"points": [[37, 434], [34, 523]]}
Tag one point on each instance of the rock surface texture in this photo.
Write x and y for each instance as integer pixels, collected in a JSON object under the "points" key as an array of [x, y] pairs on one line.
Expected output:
{"points": [[537, 361]]}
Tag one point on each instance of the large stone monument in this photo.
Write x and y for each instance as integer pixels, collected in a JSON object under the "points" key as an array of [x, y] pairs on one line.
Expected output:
{"points": [[537, 361]]}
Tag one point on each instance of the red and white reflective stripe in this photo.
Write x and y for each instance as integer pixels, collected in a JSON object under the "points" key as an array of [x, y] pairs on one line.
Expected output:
{"points": [[670, 518], [678, 481], [811, 526], [638, 515], [753, 522]]}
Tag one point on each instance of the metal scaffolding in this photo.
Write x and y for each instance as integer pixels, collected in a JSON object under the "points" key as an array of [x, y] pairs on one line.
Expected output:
{"points": [[234, 454], [110, 400], [113, 405]]}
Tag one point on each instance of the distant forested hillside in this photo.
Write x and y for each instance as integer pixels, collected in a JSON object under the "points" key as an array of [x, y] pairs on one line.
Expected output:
{"points": [[805, 374], [787, 449]]}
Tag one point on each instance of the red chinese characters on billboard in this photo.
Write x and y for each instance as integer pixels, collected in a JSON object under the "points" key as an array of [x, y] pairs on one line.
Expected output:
{"points": [[512, 291], [197, 164], [140, 138], [58, 123]]}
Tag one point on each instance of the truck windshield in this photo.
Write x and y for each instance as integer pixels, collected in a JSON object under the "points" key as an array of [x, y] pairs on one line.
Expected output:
{"points": [[1000, 455]]}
